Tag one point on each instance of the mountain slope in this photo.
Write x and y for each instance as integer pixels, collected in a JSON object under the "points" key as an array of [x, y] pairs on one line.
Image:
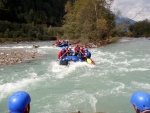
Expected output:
{"points": [[122, 20]]}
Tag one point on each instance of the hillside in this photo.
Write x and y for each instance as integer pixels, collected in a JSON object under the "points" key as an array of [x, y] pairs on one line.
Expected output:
{"points": [[121, 20]]}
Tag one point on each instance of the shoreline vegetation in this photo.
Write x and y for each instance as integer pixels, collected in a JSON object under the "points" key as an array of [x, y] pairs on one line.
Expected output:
{"points": [[88, 22], [16, 33]]}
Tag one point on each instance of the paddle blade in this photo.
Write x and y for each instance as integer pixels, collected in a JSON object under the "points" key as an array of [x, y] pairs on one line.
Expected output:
{"points": [[90, 61]]}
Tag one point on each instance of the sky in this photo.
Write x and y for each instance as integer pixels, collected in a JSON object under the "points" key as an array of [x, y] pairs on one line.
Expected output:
{"points": [[137, 10]]}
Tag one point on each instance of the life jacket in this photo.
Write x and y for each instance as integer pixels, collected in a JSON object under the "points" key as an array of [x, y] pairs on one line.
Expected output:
{"points": [[88, 54], [70, 52], [77, 49], [62, 54]]}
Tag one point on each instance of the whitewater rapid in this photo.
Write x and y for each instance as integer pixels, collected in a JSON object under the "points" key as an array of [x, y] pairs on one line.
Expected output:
{"points": [[121, 69]]}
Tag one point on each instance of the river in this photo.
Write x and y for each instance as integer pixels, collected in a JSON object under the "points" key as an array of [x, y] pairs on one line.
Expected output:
{"points": [[121, 69]]}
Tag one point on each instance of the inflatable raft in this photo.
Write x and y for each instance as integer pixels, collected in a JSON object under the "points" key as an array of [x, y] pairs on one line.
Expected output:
{"points": [[67, 59]]}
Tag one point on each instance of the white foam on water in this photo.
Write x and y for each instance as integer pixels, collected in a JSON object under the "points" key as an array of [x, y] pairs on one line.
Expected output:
{"points": [[62, 71], [141, 85], [64, 104], [106, 61], [134, 61], [8, 88], [114, 59], [46, 49], [76, 98], [93, 102], [50, 47], [132, 69], [122, 53], [115, 88], [118, 89], [15, 47], [104, 57], [125, 63], [55, 67]]}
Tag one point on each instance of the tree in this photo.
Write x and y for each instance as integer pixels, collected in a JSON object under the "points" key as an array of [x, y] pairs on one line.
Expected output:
{"points": [[88, 19], [49, 12], [140, 29]]}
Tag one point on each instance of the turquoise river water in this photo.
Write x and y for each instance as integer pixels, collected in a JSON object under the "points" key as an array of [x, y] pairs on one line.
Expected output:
{"points": [[121, 69]]}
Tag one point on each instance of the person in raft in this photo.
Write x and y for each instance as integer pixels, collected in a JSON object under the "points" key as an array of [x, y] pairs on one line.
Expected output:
{"points": [[19, 102], [62, 53], [87, 53], [70, 51], [76, 50], [141, 102]]}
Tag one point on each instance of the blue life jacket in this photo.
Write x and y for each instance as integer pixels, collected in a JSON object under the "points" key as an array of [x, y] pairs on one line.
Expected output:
{"points": [[88, 55]]}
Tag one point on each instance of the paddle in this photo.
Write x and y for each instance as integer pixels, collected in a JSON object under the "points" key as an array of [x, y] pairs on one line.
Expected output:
{"points": [[90, 61]]}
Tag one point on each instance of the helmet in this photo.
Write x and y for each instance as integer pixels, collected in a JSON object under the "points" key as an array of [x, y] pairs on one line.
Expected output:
{"points": [[66, 47], [63, 48], [70, 47], [86, 49], [141, 100], [18, 102]]}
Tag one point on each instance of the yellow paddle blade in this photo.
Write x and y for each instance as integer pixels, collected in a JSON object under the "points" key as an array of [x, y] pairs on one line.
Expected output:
{"points": [[89, 60]]}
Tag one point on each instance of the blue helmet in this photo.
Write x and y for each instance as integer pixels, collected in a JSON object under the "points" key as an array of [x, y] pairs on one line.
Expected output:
{"points": [[66, 47], [18, 102], [85, 49], [63, 48], [141, 100]]}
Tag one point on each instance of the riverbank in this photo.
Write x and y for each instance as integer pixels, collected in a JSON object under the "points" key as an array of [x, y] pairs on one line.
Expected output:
{"points": [[15, 56], [92, 44]]}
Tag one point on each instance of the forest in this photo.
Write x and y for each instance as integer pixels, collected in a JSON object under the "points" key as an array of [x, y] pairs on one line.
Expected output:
{"points": [[140, 29], [83, 20]]}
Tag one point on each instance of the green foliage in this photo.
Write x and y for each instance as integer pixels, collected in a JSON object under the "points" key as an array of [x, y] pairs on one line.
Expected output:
{"points": [[28, 32], [88, 20], [140, 29], [33, 11]]}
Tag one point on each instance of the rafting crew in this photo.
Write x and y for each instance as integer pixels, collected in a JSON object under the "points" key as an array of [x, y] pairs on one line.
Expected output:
{"points": [[81, 52], [60, 43]]}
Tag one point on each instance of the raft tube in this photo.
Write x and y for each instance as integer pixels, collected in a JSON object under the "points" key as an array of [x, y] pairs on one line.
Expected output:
{"points": [[65, 61], [62, 45]]}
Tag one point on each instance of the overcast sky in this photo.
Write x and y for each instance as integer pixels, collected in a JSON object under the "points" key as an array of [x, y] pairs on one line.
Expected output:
{"points": [[134, 9]]}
